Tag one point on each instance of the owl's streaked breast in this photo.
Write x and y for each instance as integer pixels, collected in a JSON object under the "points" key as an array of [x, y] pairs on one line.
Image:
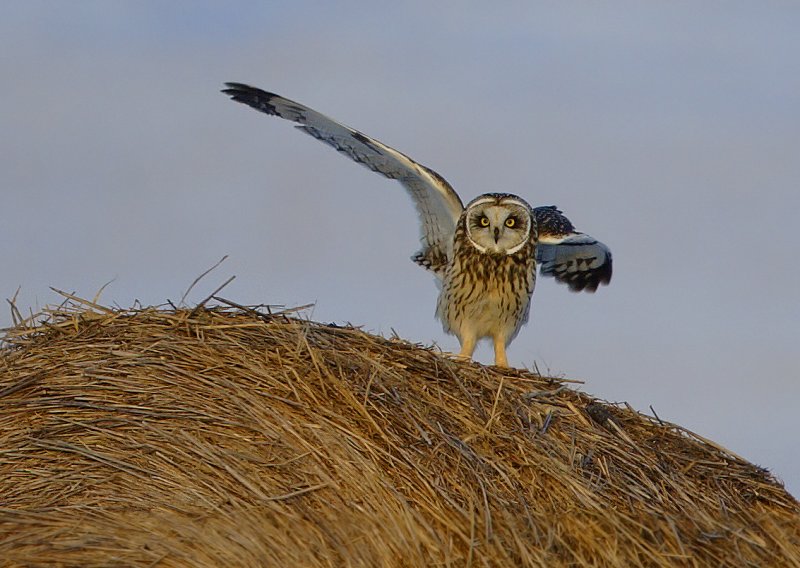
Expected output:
{"points": [[486, 294]]}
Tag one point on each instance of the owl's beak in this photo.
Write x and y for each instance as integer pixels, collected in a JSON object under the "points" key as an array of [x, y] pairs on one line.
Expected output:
{"points": [[496, 234]]}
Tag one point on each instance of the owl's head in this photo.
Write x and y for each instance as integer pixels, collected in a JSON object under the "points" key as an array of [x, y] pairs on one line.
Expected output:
{"points": [[498, 223]]}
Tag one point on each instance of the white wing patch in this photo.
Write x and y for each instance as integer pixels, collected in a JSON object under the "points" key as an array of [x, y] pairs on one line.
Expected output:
{"points": [[571, 257], [438, 205]]}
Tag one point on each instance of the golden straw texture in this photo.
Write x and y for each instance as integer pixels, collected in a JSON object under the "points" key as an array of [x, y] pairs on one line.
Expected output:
{"points": [[229, 437]]}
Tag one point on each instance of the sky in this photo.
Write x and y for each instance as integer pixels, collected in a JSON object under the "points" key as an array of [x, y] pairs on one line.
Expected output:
{"points": [[670, 131]]}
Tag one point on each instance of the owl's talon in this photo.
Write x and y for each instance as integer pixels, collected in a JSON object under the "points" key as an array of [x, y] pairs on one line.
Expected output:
{"points": [[457, 357]]}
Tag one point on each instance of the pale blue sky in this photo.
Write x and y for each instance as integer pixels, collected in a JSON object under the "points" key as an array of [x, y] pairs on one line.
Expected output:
{"points": [[668, 130]]}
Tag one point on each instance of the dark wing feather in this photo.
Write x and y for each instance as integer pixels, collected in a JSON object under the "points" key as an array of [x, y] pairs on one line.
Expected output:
{"points": [[438, 205], [571, 257]]}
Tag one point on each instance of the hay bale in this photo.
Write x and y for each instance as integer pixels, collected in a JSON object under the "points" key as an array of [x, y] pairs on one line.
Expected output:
{"points": [[222, 437]]}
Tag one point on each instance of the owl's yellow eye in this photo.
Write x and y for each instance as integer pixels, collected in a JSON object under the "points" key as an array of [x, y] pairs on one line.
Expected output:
{"points": [[484, 221], [510, 222]]}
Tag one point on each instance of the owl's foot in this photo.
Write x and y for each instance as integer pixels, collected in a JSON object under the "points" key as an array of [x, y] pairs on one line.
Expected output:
{"points": [[501, 362], [457, 357], [467, 349], [500, 359]]}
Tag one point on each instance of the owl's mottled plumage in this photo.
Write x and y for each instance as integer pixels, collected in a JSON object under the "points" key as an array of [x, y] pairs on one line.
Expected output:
{"points": [[487, 287], [573, 258], [484, 255]]}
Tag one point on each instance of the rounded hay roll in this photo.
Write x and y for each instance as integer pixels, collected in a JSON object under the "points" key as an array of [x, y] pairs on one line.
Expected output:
{"points": [[228, 437]]}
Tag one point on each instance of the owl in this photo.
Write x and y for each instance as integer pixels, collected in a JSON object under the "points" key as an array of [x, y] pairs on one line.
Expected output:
{"points": [[485, 255]]}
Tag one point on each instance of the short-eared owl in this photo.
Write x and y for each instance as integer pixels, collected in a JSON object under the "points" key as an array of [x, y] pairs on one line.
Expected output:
{"points": [[484, 255]]}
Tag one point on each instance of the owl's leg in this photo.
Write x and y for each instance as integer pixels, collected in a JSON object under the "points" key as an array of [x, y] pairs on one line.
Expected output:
{"points": [[467, 347], [500, 351]]}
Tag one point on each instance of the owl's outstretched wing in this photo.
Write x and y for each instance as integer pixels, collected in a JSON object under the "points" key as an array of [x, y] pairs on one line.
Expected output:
{"points": [[573, 258], [438, 205]]}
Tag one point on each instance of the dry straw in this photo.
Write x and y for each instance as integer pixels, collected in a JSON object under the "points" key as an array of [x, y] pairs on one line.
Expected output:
{"points": [[232, 437]]}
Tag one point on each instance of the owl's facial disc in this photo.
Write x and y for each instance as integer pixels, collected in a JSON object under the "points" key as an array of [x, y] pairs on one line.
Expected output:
{"points": [[498, 228]]}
